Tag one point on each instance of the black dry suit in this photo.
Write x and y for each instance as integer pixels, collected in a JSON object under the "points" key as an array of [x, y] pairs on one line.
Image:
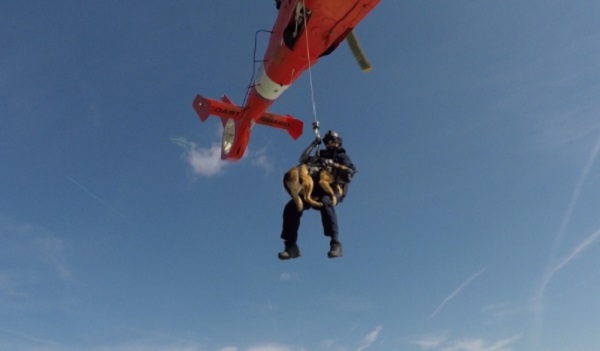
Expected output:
{"points": [[291, 216]]}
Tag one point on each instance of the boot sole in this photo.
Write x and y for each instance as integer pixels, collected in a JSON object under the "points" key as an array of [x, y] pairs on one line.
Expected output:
{"points": [[287, 257]]}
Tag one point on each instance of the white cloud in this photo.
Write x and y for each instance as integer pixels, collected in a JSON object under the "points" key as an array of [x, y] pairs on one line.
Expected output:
{"points": [[370, 338], [31, 250], [260, 159], [29, 342], [203, 161], [274, 347], [288, 276], [500, 311], [481, 345], [440, 342], [6, 284], [146, 346], [327, 344], [430, 341], [207, 161], [52, 251]]}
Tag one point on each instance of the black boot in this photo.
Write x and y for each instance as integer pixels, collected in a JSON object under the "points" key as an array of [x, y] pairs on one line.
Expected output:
{"points": [[335, 249], [291, 250]]}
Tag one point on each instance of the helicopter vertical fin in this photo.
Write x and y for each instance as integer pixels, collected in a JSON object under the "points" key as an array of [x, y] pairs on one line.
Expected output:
{"points": [[206, 107]]}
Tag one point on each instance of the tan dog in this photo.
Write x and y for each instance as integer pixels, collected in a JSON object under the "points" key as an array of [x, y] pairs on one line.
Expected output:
{"points": [[297, 181]]}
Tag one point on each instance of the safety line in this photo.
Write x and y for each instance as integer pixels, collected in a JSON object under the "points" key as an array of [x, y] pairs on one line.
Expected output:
{"points": [[312, 89]]}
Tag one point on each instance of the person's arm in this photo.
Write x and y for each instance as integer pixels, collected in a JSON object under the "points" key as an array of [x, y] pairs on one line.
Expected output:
{"points": [[344, 160], [346, 174], [347, 170], [306, 154]]}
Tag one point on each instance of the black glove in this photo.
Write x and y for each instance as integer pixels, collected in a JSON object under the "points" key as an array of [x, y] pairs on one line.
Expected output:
{"points": [[317, 141], [346, 177]]}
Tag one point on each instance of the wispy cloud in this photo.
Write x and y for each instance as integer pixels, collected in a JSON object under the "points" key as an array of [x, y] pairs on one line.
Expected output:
{"points": [[370, 338], [430, 341], [261, 160], [349, 303], [52, 251], [274, 347], [203, 161], [6, 284], [148, 346], [456, 292], [194, 346], [28, 342], [327, 344], [498, 312], [25, 245], [289, 276], [30, 338], [441, 343], [481, 345], [207, 162]]}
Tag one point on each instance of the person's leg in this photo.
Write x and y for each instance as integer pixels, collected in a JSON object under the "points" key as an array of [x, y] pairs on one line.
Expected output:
{"points": [[330, 227], [289, 231]]}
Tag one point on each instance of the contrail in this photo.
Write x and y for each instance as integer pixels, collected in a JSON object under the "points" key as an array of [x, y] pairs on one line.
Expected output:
{"points": [[96, 197], [575, 197], [550, 270], [29, 337], [538, 303], [456, 292], [582, 246]]}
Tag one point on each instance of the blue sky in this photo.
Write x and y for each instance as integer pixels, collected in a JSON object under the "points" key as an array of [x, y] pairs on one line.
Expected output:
{"points": [[472, 224]]}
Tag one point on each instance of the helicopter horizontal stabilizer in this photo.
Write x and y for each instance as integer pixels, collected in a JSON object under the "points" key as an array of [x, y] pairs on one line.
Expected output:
{"points": [[226, 109], [293, 126]]}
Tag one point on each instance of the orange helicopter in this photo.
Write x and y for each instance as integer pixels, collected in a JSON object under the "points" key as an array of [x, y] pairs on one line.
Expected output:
{"points": [[304, 31]]}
